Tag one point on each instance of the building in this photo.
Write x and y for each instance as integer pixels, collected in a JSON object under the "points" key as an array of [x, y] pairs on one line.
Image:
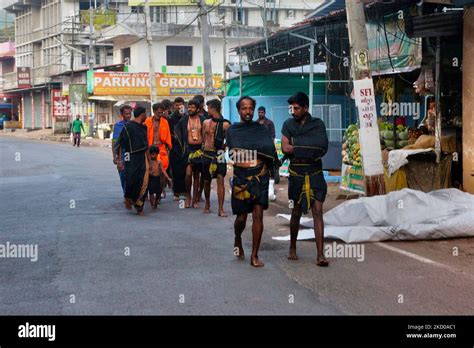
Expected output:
{"points": [[51, 43], [177, 37]]}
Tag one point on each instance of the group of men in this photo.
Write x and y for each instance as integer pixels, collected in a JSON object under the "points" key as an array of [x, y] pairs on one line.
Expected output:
{"points": [[188, 149]]}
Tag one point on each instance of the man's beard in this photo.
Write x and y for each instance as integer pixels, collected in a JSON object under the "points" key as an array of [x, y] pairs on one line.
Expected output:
{"points": [[246, 119]]}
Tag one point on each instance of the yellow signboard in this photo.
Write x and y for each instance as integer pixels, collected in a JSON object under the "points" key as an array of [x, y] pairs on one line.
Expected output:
{"points": [[122, 83], [170, 2]]}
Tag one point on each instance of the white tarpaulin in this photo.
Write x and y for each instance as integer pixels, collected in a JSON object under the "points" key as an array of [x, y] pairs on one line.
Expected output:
{"points": [[400, 215], [398, 158]]}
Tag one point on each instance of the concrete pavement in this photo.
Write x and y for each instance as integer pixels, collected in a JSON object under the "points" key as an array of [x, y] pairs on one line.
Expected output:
{"points": [[97, 258]]}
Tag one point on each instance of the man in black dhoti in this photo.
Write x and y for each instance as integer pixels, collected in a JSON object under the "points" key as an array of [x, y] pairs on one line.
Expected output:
{"points": [[178, 160], [252, 151], [189, 135], [133, 143], [305, 142]]}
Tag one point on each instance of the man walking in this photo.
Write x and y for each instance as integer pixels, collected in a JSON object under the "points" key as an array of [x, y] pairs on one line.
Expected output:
{"points": [[262, 119], [253, 152], [305, 141], [213, 160], [133, 142], [125, 115], [76, 130], [158, 133], [189, 134], [178, 161]]}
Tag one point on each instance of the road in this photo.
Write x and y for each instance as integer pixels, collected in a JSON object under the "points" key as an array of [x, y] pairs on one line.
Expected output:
{"points": [[95, 257]]}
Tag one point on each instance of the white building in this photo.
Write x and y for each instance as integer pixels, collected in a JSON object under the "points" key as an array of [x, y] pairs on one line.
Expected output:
{"points": [[177, 37], [50, 42]]}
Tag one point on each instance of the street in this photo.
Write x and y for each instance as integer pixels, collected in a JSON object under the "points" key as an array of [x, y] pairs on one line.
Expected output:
{"points": [[95, 257]]}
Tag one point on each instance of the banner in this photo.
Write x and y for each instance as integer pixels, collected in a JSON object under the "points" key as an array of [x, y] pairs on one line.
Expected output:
{"points": [[121, 83], [23, 77], [101, 18], [170, 2], [352, 179], [369, 136], [60, 105], [405, 53]]}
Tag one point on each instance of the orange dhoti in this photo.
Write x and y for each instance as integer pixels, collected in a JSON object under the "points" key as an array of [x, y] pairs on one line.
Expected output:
{"points": [[164, 136]]}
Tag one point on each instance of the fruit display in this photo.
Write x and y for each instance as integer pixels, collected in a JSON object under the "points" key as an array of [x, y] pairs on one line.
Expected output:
{"points": [[351, 146], [387, 137]]}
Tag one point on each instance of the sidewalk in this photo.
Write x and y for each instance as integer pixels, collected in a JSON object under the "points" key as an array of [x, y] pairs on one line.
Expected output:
{"points": [[47, 135]]}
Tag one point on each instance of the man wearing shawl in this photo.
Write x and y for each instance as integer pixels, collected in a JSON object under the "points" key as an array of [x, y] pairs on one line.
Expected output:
{"points": [[133, 143], [214, 165], [158, 133], [252, 152], [305, 142], [189, 135], [178, 161]]}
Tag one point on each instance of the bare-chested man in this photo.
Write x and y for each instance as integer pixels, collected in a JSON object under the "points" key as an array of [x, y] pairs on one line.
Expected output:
{"points": [[189, 133], [213, 160]]}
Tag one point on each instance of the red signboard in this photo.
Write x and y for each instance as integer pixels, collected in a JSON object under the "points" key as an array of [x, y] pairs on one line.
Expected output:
{"points": [[60, 106], [23, 77]]}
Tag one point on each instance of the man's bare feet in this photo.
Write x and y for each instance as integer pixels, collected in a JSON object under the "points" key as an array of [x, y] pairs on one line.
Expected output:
{"points": [[255, 262], [187, 203], [140, 213], [155, 206], [195, 205], [292, 255], [128, 204], [207, 209], [322, 261], [238, 249], [222, 213], [176, 198]]}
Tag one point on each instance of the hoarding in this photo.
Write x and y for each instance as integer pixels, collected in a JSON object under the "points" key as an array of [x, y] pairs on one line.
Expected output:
{"points": [[121, 83]]}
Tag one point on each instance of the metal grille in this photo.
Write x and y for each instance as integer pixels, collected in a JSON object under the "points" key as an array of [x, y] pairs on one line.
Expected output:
{"points": [[332, 117]]}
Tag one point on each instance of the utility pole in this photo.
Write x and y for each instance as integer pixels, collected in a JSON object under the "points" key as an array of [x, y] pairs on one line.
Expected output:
{"points": [[224, 34], [365, 99], [91, 64], [151, 62], [206, 48], [240, 47]]}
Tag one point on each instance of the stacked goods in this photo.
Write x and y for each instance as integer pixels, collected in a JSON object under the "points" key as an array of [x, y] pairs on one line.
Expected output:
{"points": [[351, 147], [387, 137]]}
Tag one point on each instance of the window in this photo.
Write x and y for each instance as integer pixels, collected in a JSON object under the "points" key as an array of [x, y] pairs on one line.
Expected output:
{"points": [[97, 56], [126, 56], [158, 14], [179, 55], [290, 14], [240, 16], [271, 16], [137, 9], [84, 56]]}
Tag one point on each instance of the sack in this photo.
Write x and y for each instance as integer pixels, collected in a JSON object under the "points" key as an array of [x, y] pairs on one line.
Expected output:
{"points": [[71, 138]]}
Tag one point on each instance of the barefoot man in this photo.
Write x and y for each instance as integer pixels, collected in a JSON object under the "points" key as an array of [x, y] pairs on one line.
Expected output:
{"points": [[133, 142], [178, 161], [252, 152], [189, 134], [305, 141], [213, 158]]}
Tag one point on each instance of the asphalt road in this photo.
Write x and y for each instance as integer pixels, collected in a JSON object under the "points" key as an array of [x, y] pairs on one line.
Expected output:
{"points": [[95, 257]]}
